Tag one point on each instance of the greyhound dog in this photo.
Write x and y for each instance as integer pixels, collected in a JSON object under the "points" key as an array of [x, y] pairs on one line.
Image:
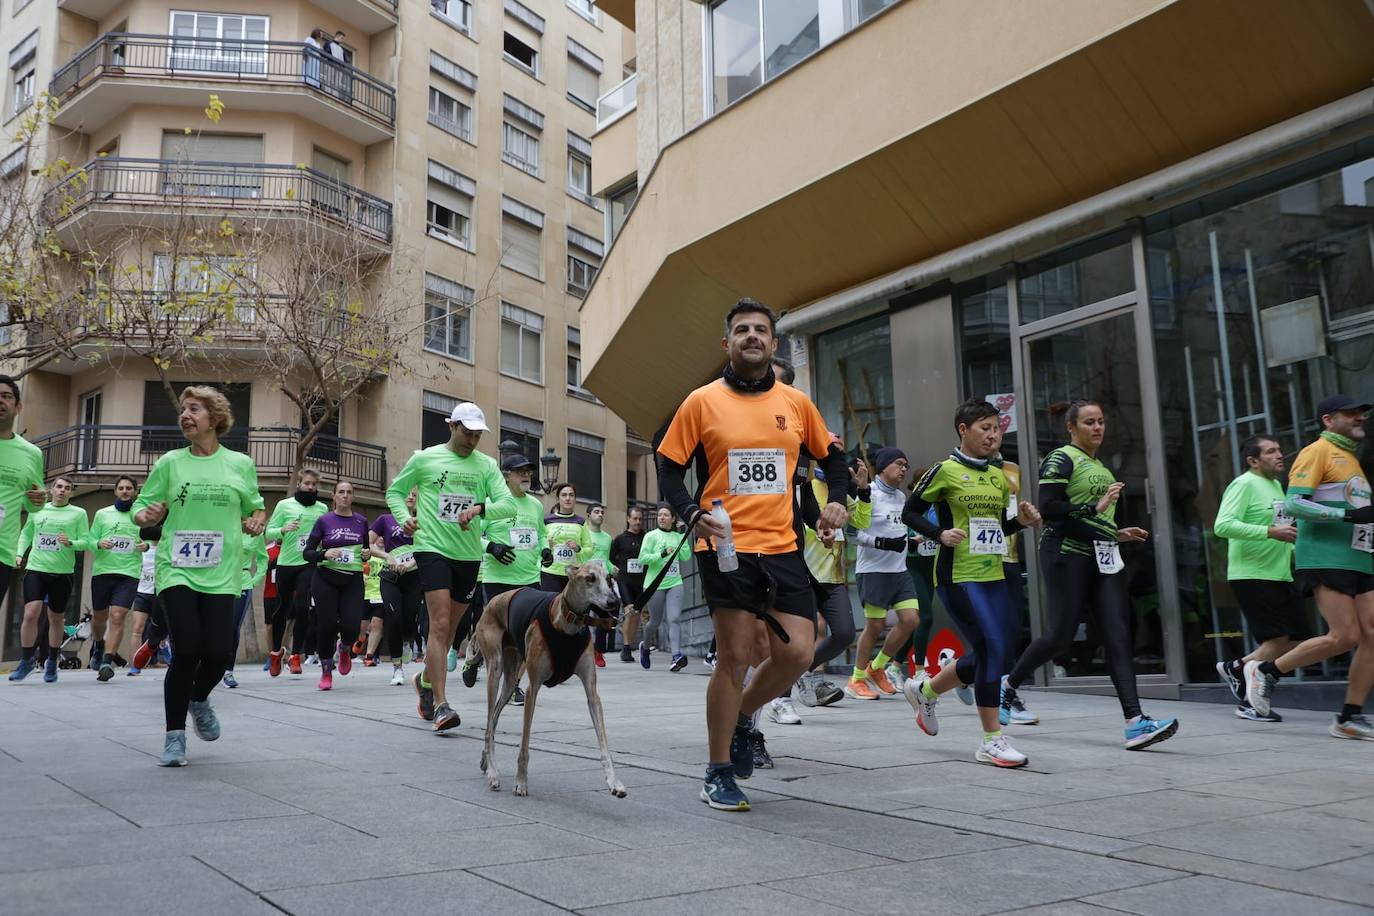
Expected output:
{"points": [[549, 633]]}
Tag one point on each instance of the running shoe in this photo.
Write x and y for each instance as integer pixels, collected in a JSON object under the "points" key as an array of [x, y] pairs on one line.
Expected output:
{"points": [[93, 663], [267, 664], [1246, 711], [626, 655], [359, 647], [679, 662], [827, 694], [345, 661], [1144, 731], [965, 694], [174, 749], [1012, 711], [274, 663], [1228, 677], [470, 667], [879, 681], [326, 679], [999, 752], [165, 654], [896, 675], [721, 792], [144, 654], [926, 720], [398, 676], [50, 669], [709, 660], [452, 662], [742, 751], [781, 711], [762, 760], [859, 690], [369, 661], [445, 718], [600, 658], [312, 659], [24, 669], [106, 672], [805, 689], [425, 704], [293, 664], [133, 672], [204, 720], [518, 697], [229, 680], [644, 651], [1357, 727], [1259, 687]]}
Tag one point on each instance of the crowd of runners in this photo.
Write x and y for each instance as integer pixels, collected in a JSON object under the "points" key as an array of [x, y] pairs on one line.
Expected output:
{"points": [[177, 560]]}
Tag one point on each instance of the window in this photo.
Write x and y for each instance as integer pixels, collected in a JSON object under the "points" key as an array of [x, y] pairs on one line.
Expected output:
{"points": [[161, 423], [520, 136], [522, 343], [198, 164], [23, 74], [448, 317], [13, 164], [584, 8], [521, 54], [526, 434], [521, 230], [435, 409], [206, 276], [857, 358], [524, 29], [584, 464], [618, 204], [575, 387], [221, 43], [448, 205], [457, 13], [584, 260], [326, 446], [450, 115], [584, 76], [580, 170]]}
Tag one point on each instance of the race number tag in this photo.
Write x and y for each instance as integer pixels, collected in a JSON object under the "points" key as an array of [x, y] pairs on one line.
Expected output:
{"points": [[927, 548], [2, 516], [1362, 538], [839, 535], [523, 538], [985, 537], [1012, 507], [47, 541], [404, 557], [302, 543], [757, 471], [634, 567], [563, 554], [673, 571], [147, 581], [346, 556], [1108, 556], [197, 549], [1281, 517], [121, 545], [452, 505]]}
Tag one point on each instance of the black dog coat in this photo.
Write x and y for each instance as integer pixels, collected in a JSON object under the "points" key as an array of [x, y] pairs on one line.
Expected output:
{"points": [[530, 604]]}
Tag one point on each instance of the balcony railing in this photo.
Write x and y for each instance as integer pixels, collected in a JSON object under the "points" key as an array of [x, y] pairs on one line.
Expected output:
{"points": [[176, 183], [106, 450], [618, 102], [129, 56]]}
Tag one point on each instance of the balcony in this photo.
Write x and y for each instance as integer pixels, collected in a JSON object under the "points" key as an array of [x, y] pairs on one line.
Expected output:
{"points": [[94, 454], [368, 16], [112, 193], [119, 69], [618, 102]]}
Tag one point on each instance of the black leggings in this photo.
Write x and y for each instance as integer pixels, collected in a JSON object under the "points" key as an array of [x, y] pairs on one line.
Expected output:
{"points": [[833, 603], [202, 631], [337, 598], [404, 602], [468, 622], [1072, 583], [293, 603]]}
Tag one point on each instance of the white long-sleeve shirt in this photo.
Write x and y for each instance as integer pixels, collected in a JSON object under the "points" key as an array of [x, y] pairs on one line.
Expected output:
{"points": [[886, 523]]}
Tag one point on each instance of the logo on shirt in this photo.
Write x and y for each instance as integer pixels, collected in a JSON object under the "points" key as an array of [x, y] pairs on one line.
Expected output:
{"points": [[440, 482], [782, 421], [181, 496]]}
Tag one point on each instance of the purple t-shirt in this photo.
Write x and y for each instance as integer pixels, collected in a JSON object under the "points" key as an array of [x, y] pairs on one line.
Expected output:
{"points": [[333, 530], [390, 531]]}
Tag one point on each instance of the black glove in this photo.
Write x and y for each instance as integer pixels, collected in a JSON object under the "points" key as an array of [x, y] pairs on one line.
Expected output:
{"points": [[546, 557], [504, 553], [894, 544], [664, 553], [1361, 516]]}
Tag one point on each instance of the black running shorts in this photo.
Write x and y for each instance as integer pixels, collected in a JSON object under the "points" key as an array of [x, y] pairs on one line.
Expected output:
{"points": [[113, 590], [1272, 609], [1345, 581], [438, 572], [771, 582]]}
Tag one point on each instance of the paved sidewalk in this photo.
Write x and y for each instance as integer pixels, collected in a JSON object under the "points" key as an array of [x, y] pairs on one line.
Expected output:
{"points": [[345, 803]]}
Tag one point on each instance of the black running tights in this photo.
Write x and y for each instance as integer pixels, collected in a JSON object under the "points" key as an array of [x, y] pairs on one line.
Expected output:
{"points": [[404, 601], [337, 598], [202, 631]]}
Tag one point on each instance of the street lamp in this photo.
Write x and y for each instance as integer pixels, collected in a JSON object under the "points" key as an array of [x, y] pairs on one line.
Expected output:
{"points": [[507, 448], [549, 464]]}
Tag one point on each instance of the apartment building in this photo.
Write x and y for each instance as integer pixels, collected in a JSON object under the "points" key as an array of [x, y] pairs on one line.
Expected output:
{"points": [[1166, 205], [441, 147]]}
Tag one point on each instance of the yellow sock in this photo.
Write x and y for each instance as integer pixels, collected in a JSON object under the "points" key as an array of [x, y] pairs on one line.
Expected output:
{"points": [[858, 675], [880, 661]]}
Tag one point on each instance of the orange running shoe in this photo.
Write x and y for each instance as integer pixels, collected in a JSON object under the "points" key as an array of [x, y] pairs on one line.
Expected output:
{"points": [[359, 646], [600, 659], [294, 664], [859, 690], [878, 678], [144, 654], [274, 663]]}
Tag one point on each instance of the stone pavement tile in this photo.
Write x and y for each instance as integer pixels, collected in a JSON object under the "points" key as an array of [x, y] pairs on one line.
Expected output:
{"points": [[1312, 883], [40, 849], [358, 858], [1214, 895], [1131, 815], [176, 796], [1064, 908], [1358, 808], [1019, 877], [1014, 830], [119, 888], [1310, 787], [751, 899], [584, 779], [451, 891], [418, 811], [1359, 869], [579, 882], [1290, 839]]}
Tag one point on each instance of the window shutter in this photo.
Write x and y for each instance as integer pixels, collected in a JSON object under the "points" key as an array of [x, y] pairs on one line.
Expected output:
{"points": [[583, 82], [520, 246]]}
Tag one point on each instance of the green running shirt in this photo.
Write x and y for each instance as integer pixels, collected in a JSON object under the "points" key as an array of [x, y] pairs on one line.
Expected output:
{"points": [[601, 549], [123, 557], [47, 554], [293, 542], [559, 529], [254, 552], [524, 533], [974, 501], [650, 554], [446, 484], [1087, 481], [21, 469], [1244, 517]]}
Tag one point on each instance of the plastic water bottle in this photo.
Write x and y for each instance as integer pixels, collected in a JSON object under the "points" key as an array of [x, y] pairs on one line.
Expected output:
{"points": [[726, 558]]}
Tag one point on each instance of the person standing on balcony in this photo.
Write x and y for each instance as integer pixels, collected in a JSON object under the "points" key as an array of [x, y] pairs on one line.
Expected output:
{"points": [[254, 574], [340, 81], [290, 524], [630, 579], [338, 542], [310, 63], [206, 498], [403, 596], [21, 480], [115, 573], [455, 485], [51, 539], [568, 542]]}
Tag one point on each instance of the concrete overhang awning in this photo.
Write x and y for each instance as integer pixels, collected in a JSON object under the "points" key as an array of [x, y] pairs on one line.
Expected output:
{"points": [[935, 125]]}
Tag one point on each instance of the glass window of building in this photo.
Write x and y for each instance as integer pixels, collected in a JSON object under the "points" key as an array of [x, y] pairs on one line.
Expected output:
{"points": [[457, 13], [736, 50], [584, 76], [448, 205], [527, 434], [580, 169], [854, 389], [584, 259], [985, 350], [448, 317], [1074, 277], [522, 343], [618, 204], [523, 36], [219, 42], [522, 228], [450, 115], [585, 453], [23, 74], [523, 127], [435, 409]]}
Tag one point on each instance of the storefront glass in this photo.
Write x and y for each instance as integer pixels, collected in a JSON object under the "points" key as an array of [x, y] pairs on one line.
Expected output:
{"points": [[853, 383]]}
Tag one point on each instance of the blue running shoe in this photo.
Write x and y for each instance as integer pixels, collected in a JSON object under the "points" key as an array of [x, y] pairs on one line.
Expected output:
{"points": [[742, 750], [25, 668], [720, 792], [174, 749], [1144, 731], [644, 656], [204, 719], [1012, 711], [133, 672], [50, 669], [451, 663]]}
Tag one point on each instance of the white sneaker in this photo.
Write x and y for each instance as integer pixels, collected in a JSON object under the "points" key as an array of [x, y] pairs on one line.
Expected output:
{"points": [[926, 719], [805, 691], [312, 660], [1259, 687], [1358, 727], [781, 711], [999, 752], [896, 674], [965, 694], [398, 676]]}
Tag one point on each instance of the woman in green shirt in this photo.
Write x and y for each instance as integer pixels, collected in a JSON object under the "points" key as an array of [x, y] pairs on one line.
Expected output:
{"points": [[51, 539], [664, 545], [568, 540], [206, 498]]}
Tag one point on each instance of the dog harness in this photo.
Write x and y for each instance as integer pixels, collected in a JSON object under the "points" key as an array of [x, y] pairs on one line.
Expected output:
{"points": [[531, 604]]}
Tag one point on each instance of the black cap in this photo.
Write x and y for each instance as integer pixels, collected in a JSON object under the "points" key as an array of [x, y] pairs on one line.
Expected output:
{"points": [[515, 463], [1339, 402]]}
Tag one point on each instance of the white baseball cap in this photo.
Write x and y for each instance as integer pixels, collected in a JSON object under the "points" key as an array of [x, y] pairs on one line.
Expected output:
{"points": [[470, 415]]}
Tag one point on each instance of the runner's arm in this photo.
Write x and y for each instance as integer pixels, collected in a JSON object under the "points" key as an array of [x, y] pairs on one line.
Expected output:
{"points": [[810, 507], [82, 541], [312, 551], [1299, 506], [26, 536], [915, 514], [1228, 523], [400, 488], [259, 561], [672, 484], [275, 523], [1076, 521]]}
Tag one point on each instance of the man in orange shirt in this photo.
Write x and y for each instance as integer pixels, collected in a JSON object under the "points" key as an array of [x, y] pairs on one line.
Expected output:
{"points": [[746, 435]]}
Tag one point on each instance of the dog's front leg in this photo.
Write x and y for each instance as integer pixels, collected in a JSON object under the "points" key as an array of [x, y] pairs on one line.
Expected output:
{"points": [[495, 703], [522, 762], [586, 672]]}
